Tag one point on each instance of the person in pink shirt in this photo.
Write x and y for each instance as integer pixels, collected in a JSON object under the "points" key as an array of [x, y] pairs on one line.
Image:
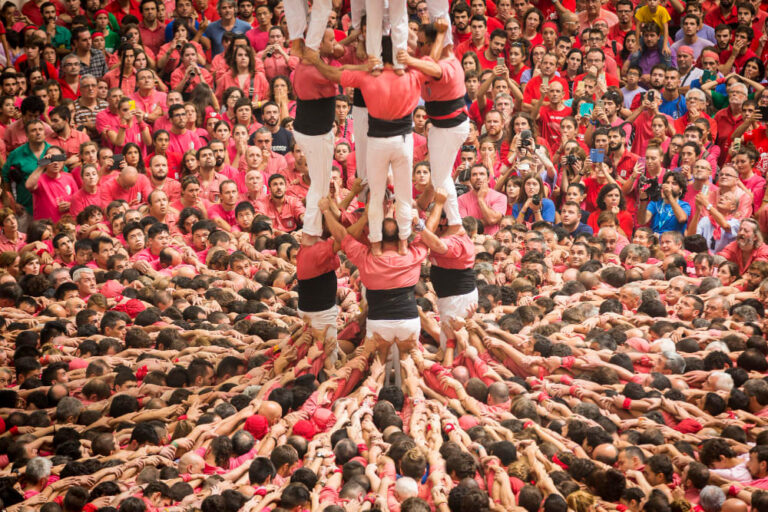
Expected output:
{"points": [[189, 73], [274, 163], [313, 132], [51, 188], [744, 161], [481, 202], [32, 107], [243, 75], [158, 238], [159, 209], [164, 121], [276, 59], [130, 128], [181, 139], [65, 137], [11, 239], [223, 213], [285, 212], [389, 281], [191, 196], [159, 180], [88, 194], [443, 93], [128, 185], [149, 101], [391, 98]]}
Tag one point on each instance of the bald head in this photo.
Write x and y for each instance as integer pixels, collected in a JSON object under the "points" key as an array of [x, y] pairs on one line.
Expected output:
{"points": [[461, 374], [191, 463], [606, 453], [128, 177], [734, 505], [271, 410], [498, 392]]}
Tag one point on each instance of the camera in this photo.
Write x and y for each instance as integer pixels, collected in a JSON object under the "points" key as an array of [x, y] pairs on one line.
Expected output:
{"points": [[651, 96], [651, 188], [570, 159], [269, 53], [536, 199], [116, 159], [178, 47], [526, 138]]}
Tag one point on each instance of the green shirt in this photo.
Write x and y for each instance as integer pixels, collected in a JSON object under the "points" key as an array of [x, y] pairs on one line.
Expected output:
{"points": [[62, 38], [26, 161]]}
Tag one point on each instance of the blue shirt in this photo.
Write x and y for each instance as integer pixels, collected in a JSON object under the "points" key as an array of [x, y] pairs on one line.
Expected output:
{"points": [[663, 216], [675, 108], [215, 31], [169, 30], [580, 229], [547, 211]]}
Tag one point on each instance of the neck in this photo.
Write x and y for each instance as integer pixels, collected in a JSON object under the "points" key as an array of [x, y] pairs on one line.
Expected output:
{"points": [[277, 200], [91, 189], [207, 173], [626, 26], [690, 39], [10, 234], [178, 131], [36, 146], [479, 41], [157, 181]]}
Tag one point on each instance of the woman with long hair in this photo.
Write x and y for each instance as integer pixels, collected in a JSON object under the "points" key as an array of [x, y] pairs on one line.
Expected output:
{"points": [[228, 101], [129, 129], [470, 62], [533, 19], [54, 93], [533, 205], [281, 92], [660, 131], [204, 100], [520, 122], [243, 74], [513, 188], [189, 164], [610, 199], [29, 264], [132, 154], [189, 74], [169, 54], [132, 36], [124, 75], [574, 66]]}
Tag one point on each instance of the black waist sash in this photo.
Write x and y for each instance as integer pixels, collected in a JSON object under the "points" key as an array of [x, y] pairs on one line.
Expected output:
{"points": [[393, 304], [382, 128], [450, 282], [318, 293], [446, 114], [315, 117]]}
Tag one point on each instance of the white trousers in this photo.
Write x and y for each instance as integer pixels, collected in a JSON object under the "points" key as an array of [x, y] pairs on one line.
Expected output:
{"points": [[439, 9], [389, 330], [296, 18], [357, 8], [383, 152], [319, 152], [321, 319], [443, 145], [360, 131], [398, 22], [452, 307]]}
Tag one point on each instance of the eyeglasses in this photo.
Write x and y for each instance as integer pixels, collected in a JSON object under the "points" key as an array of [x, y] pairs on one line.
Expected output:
{"points": [[729, 176]]}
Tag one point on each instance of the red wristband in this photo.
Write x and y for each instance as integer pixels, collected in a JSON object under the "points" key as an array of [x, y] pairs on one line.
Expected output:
{"points": [[627, 403], [449, 427], [14, 430], [568, 362], [450, 344], [565, 379], [362, 447], [542, 396], [572, 390], [733, 491], [527, 424]]}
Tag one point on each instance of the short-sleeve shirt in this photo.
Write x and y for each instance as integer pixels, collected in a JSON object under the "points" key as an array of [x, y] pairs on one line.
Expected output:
{"points": [[663, 216], [49, 191], [469, 207]]}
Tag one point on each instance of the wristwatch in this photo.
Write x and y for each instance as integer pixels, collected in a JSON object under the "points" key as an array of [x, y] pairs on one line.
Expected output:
{"points": [[709, 207]]}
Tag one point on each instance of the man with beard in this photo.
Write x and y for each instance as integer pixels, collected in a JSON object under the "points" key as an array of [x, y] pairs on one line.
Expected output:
{"points": [[461, 30], [494, 128], [670, 213], [50, 187], [285, 212], [58, 35], [227, 23], [481, 202], [313, 130], [748, 246], [654, 81], [494, 50], [724, 14], [158, 178], [281, 138], [673, 104], [152, 29], [65, 137], [734, 58], [64, 250], [182, 140], [92, 61], [210, 180]]}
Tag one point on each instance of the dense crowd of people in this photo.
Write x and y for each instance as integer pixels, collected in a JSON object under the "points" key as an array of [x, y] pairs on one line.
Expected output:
{"points": [[406, 255]]}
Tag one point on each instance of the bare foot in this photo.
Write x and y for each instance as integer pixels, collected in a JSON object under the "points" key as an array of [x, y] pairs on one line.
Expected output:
{"points": [[376, 72], [376, 248], [402, 247], [399, 71]]}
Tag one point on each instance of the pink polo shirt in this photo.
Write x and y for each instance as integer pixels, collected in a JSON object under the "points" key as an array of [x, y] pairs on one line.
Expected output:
{"points": [[49, 191], [151, 102], [81, 199], [316, 260], [460, 255], [181, 143], [71, 145], [218, 211], [171, 187], [287, 218], [469, 207]]}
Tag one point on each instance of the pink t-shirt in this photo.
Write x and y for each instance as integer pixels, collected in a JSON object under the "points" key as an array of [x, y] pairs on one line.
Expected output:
{"points": [[151, 102], [460, 255], [49, 191], [389, 270], [387, 96], [310, 84], [316, 260], [81, 199], [218, 211], [469, 207], [450, 86], [111, 190], [181, 143]]}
